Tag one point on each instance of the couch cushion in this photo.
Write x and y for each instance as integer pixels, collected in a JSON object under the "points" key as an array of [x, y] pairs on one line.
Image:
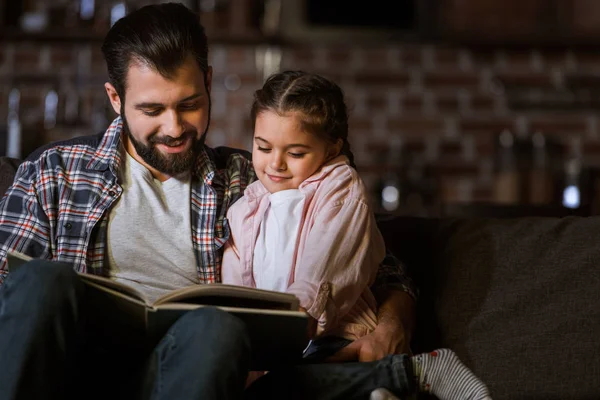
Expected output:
{"points": [[518, 299]]}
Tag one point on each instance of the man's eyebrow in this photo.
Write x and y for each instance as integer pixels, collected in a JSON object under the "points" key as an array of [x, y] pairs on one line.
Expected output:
{"points": [[146, 105]]}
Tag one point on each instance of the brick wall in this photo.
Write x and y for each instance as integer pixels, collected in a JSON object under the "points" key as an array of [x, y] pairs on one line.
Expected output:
{"points": [[444, 106]]}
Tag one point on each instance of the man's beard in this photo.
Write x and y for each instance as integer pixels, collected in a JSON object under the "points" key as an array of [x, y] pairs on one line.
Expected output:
{"points": [[169, 164]]}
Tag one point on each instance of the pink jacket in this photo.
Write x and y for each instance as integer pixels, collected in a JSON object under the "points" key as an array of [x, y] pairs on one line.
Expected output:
{"points": [[338, 253]]}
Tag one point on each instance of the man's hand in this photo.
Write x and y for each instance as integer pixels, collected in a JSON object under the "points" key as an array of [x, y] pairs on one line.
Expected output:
{"points": [[372, 347], [392, 335]]}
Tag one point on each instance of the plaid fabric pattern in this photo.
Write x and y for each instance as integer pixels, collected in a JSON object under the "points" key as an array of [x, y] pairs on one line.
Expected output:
{"points": [[58, 206]]}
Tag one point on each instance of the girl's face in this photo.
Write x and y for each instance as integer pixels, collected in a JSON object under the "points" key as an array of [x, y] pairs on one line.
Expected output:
{"points": [[284, 155]]}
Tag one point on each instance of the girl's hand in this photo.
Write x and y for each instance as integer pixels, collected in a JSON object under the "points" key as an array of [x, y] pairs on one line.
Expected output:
{"points": [[312, 324]]}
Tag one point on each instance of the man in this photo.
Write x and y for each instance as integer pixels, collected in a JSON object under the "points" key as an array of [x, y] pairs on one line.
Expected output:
{"points": [[145, 204]]}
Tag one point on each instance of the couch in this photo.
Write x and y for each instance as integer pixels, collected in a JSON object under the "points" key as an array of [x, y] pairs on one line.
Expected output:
{"points": [[517, 298]]}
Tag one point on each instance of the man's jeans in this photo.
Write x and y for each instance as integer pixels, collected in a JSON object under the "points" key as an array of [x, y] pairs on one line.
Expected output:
{"points": [[48, 352]]}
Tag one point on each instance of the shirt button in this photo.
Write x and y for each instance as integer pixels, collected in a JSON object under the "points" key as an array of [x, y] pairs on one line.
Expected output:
{"points": [[112, 193], [68, 226]]}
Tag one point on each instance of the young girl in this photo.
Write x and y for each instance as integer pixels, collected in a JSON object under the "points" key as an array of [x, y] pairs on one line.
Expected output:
{"points": [[305, 228]]}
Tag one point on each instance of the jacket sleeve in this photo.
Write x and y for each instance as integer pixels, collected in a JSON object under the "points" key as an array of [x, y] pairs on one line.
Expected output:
{"points": [[24, 226], [341, 256], [231, 266]]}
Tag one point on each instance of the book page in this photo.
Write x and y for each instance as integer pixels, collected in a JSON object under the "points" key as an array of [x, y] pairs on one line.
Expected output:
{"points": [[189, 307], [115, 286], [229, 295], [15, 260]]}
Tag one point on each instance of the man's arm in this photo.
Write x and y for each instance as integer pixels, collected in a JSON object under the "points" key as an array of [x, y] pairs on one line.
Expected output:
{"points": [[395, 323], [396, 296], [24, 226]]}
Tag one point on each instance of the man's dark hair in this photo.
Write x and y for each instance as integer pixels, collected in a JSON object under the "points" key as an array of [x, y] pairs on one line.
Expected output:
{"points": [[159, 36]]}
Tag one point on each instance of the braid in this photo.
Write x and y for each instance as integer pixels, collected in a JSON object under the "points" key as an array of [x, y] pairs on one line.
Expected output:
{"points": [[348, 153]]}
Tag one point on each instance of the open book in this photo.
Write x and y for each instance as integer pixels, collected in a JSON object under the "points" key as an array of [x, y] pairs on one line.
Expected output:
{"points": [[124, 316]]}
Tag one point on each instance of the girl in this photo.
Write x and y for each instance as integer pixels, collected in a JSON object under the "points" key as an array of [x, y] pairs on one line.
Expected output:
{"points": [[305, 228]]}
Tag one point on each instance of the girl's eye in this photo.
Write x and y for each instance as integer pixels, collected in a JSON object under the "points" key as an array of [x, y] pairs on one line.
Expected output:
{"points": [[297, 155], [264, 149]]}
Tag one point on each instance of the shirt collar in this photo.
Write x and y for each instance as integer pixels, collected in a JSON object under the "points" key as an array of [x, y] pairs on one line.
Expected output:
{"points": [[108, 153], [205, 166]]}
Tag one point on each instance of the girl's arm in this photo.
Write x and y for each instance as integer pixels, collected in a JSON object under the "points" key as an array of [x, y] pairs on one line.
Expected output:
{"points": [[339, 261], [231, 266]]}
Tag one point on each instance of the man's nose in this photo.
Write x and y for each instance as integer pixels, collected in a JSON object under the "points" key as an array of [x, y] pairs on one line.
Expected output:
{"points": [[173, 126]]}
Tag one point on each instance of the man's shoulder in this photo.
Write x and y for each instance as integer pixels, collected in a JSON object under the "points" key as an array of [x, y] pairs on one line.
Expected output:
{"points": [[228, 157], [70, 154], [233, 165], [59, 157], [90, 142]]}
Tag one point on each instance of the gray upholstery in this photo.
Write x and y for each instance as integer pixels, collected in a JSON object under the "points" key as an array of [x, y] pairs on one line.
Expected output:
{"points": [[519, 299]]}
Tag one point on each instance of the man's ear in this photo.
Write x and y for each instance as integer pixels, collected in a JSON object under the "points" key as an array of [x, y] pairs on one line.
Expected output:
{"points": [[113, 96]]}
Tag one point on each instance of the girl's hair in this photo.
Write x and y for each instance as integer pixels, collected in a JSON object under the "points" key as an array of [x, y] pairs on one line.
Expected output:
{"points": [[318, 101]]}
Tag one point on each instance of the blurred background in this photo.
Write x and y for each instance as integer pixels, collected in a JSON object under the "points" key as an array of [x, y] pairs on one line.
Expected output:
{"points": [[458, 107]]}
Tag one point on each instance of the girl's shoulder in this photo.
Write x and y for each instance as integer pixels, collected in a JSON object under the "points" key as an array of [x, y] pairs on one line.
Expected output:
{"points": [[342, 183]]}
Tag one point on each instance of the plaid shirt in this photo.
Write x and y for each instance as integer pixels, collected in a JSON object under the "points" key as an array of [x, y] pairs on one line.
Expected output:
{"points": [[58, 206]]}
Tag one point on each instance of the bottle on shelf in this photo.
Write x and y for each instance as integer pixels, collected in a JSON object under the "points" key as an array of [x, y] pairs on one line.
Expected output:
{"points": [[389, 188], [572, 191], [14, 131], [541, 182], [507, 180]]}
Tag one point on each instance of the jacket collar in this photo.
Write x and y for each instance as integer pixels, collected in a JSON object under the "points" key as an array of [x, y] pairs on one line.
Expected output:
{"points": [[257, 190]]}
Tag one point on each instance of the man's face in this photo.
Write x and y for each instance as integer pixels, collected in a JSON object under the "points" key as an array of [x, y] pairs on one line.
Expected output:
{"points": [[165, 119]]}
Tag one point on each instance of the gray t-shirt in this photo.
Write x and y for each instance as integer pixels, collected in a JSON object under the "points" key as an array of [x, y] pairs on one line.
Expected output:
{"points": [[149, 232]]}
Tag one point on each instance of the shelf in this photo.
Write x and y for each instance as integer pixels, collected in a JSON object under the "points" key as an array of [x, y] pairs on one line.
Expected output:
{"points": [[55, 35], [89, 36]]}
